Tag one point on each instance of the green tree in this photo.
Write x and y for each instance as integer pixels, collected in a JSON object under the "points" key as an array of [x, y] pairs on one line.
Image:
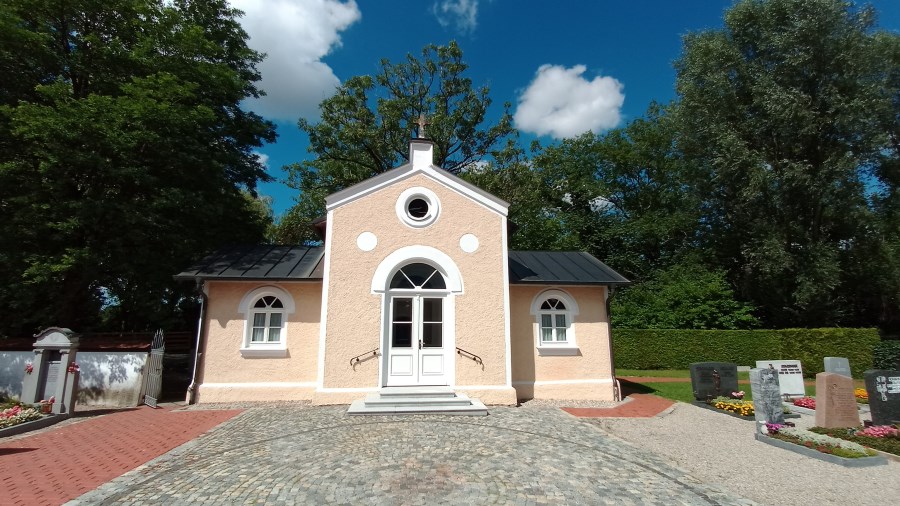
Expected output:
{"points": [[623, 196], [366, 126], [785, 113], [123, 156], [682, 296]]}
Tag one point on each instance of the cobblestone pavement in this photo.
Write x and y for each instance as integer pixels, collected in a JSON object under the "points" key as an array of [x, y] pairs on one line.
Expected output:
{"points": [[316, 455]]}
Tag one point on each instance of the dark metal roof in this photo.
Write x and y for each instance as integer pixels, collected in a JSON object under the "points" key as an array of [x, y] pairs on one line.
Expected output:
{"points": [[305, 263], [259, 262], [560, 268]]}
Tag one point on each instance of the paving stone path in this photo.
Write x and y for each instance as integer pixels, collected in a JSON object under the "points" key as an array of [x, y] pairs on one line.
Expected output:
{"points": [[318, 455]]}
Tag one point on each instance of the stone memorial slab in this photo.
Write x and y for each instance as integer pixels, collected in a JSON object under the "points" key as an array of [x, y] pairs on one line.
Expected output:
{"points": [[835, 402], [883, 387], [838, 365], [766, 392], [712, 379], [790, 375]]}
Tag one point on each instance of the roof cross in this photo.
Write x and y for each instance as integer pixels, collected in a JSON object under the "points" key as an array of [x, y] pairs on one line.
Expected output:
{"points": [[422, 122]]}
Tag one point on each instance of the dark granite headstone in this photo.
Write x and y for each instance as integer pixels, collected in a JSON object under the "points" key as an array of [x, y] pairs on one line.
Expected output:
{"points": [[712, 379], [835, 403], [766, 395], [884, 396], [838, 365]]}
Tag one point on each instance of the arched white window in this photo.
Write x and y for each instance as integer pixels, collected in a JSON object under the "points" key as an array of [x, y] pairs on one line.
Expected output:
{"points": [[555, 312], [267, 320], [265, 311]]}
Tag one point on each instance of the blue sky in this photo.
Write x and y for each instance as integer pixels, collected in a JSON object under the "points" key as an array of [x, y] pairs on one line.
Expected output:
{"points": [[565, 67]]}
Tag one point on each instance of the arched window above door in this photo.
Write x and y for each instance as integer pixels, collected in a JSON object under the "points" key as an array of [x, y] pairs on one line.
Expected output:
{"points": [[418, 276]]}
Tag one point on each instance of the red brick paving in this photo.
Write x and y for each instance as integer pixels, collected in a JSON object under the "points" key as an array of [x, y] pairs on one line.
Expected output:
{"points": [[59, 465], [640, 406]]}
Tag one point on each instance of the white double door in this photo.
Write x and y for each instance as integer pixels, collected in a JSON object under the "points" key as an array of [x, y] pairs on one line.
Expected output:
{"points": [[418, 349]]}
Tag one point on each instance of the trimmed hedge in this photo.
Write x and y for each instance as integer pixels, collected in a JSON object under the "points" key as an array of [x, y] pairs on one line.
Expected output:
{"points": [[676, 349], [886, 355]]}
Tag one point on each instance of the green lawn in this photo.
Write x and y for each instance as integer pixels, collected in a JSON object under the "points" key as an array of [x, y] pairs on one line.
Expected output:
{"points": [[667, 373], [676, 391]]}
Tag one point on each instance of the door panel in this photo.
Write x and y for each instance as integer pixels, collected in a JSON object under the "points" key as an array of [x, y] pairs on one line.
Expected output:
{"points": [[416, 354]]}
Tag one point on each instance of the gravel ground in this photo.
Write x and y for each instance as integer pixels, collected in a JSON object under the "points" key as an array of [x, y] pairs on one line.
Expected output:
{"points": [[720, 449]]}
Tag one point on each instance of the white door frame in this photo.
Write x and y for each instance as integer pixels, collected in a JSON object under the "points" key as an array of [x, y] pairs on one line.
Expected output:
{"points": [[448, 337], [380, 286]]}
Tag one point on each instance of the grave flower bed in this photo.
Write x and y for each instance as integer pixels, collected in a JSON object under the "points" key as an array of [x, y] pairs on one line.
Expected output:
{"points": [[822, 443], [805, 402], [861, 395], [17, 414], [736, 406], [885, 438]]}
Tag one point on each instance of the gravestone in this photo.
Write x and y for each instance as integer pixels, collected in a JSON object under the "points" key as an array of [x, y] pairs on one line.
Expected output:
{"points": [[712, 379], [790, 376], [838, 365], [766, 392], [835, 402], [884, 396]]}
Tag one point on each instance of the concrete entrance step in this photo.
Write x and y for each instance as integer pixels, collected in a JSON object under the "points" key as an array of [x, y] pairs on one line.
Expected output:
{"points": [[417, 400], [431, 392]]}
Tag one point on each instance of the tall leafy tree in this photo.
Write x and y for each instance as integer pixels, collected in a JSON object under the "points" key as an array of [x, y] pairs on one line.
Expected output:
{"points": [[123, 156], [787, 113], [625, 195], [365, 128]]}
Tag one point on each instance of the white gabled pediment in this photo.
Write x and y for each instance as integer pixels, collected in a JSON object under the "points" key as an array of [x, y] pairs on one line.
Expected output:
{"points": [[421, 162]]}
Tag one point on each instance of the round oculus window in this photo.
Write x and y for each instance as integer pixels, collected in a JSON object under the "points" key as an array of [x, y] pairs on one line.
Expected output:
{"points": [[417, 208]]}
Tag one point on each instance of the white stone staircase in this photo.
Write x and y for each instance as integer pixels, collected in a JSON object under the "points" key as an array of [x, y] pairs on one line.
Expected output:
{"points": [[417, 401]]}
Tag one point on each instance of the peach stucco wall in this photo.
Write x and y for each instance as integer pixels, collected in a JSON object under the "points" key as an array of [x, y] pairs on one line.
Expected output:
{"points": [[225, 375], [587, 375], [354, 319]]}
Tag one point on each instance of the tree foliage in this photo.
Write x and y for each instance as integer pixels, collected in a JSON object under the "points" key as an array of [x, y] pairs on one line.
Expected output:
{"points": [[365, 129], [789, 113], [123, 156], [683, 296]]}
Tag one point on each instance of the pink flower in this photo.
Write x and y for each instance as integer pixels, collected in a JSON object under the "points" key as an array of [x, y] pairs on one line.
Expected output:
{"points": [[52, 399]]}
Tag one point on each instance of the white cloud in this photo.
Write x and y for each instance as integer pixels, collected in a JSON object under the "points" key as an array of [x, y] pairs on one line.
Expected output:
{"points": [[262, 158], [561, 103], [461, 13], [295, 35]]}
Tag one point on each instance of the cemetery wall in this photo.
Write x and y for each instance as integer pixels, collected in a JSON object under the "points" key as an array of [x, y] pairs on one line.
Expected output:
{"points": [[677, 349], [111, 378]]}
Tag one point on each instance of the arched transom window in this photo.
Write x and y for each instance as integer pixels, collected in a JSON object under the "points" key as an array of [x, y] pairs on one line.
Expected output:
{"points": [[268, 320], [418, 277], [554, 321]]}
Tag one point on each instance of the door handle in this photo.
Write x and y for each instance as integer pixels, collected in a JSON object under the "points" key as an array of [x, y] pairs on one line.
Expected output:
{"points": [[420, 344]]}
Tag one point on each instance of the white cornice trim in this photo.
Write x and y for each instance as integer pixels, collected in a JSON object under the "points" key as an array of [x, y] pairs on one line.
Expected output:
{"points": [[403, 172]]}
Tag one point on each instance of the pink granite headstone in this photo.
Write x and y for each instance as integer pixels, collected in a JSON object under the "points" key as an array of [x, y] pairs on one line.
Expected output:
{"points": [[835, 402]]}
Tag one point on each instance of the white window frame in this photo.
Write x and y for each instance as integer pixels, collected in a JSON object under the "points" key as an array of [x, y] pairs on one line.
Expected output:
{"points": [[567, 347], [418, 192], [250, 349]]}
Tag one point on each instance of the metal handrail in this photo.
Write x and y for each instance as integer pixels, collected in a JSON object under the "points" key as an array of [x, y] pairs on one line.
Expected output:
{"points": [[470, 355], [357, 359]]}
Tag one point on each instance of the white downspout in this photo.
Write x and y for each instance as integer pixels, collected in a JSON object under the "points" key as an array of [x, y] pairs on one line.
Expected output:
{"points": [[192, 388]]}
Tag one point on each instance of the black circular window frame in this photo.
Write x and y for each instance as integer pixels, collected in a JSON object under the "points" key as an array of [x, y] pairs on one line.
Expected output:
{"points": [[417, 208]]}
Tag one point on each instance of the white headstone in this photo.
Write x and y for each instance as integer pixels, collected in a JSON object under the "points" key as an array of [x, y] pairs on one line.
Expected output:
{"points": [[790, 375]]}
